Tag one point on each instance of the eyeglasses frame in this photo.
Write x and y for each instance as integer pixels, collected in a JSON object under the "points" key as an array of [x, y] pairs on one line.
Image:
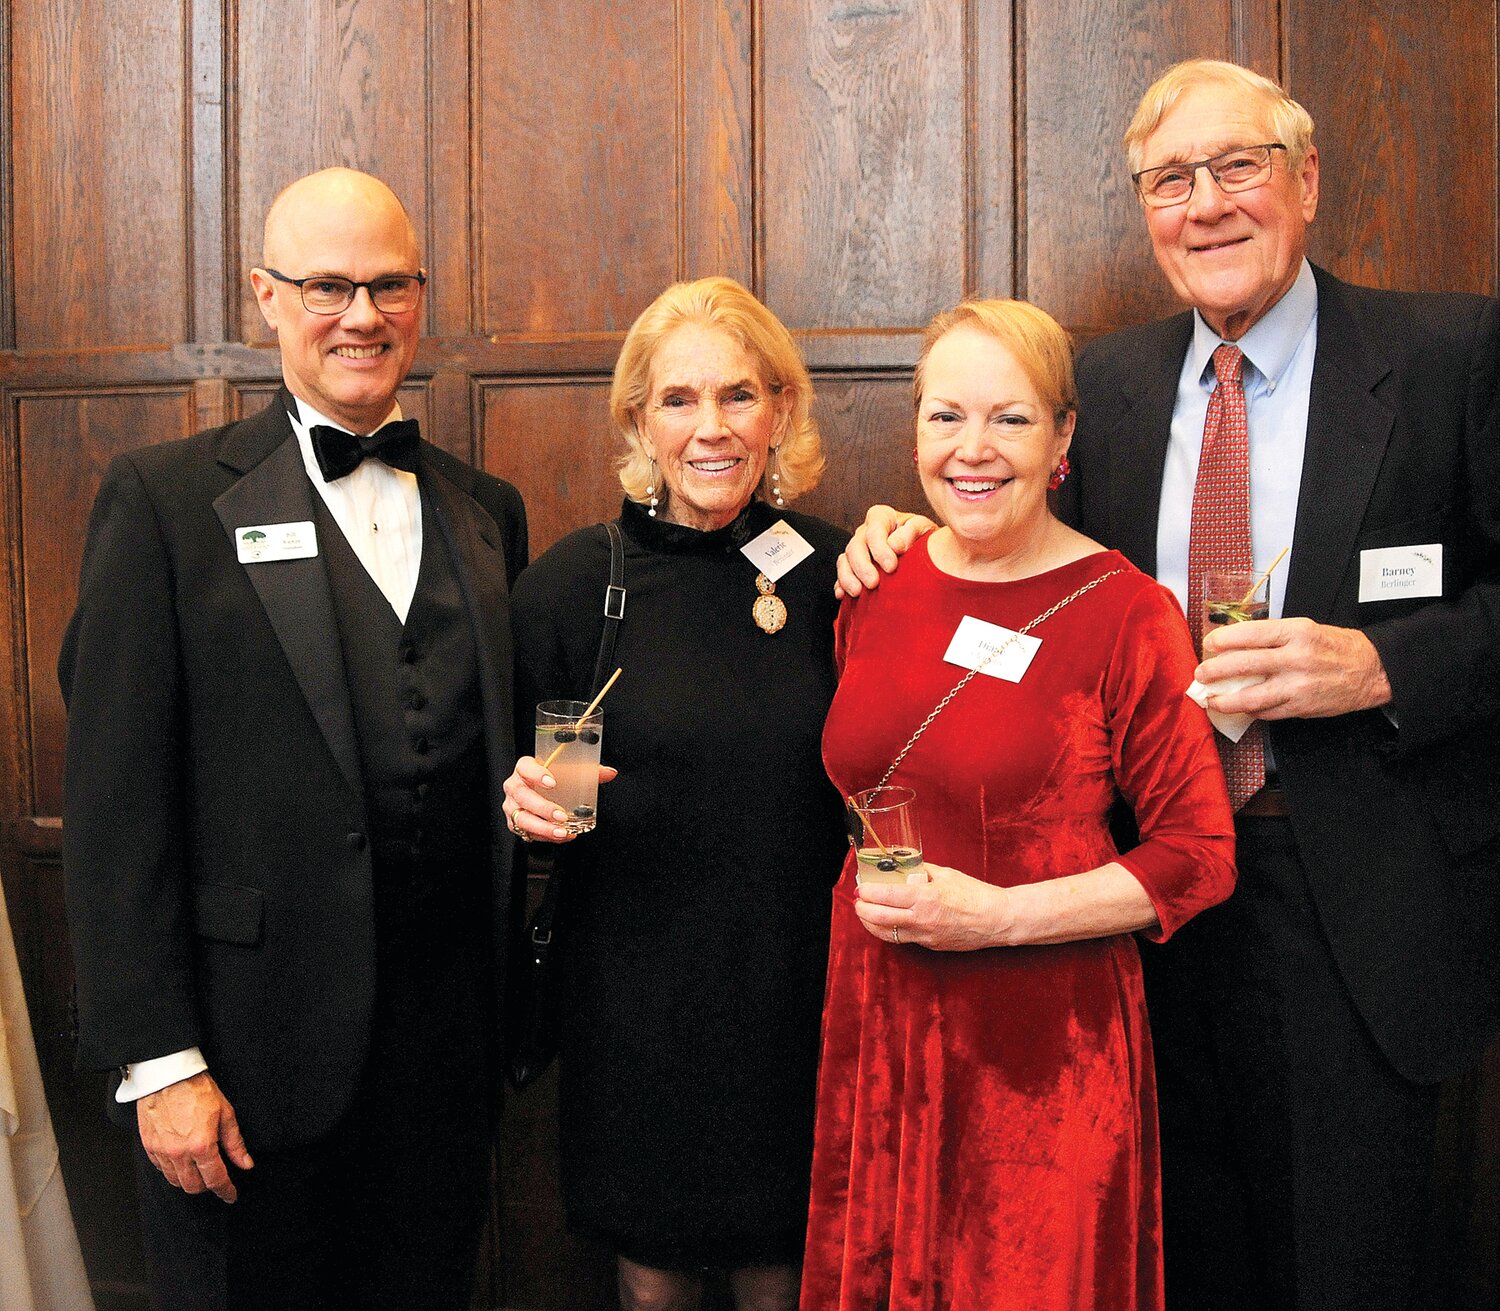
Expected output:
{"points": [[353, 288], [1192, 167]]}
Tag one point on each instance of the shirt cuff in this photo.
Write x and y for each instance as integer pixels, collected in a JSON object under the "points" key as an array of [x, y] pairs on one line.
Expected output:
{"points": [[146, 1077]]}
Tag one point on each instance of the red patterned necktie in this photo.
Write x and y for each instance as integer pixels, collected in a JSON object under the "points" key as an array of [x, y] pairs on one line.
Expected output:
{"points": [[1219, 538]]}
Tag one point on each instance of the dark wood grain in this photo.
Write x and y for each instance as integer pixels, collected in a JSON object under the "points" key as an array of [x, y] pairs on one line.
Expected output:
{"points": [[579, 175], [553, 439], [100, 239], [863, 108], [1406, 132]]}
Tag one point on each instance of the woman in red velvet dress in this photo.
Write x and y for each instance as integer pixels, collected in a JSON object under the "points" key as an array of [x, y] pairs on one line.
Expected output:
{"points": [[986, 1122]]}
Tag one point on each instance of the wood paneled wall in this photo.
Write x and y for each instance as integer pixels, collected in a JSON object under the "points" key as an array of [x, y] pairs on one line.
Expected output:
{"points": [[860, 163]]}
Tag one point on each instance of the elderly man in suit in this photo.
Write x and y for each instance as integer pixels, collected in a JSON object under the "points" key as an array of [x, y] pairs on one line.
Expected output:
{"points": [[1302, 1028], [288, 869]]}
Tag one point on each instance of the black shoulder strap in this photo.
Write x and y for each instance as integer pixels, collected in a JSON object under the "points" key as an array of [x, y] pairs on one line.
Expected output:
{"points": [[614, 607]]}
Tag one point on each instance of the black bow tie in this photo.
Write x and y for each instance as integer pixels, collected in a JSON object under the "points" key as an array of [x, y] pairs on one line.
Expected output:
{"points": [[339, 452]]}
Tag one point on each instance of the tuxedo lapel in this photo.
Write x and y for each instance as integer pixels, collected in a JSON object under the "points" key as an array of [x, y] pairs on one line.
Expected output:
{"points": [[295, 593], [1347, 432], [473, 541]]}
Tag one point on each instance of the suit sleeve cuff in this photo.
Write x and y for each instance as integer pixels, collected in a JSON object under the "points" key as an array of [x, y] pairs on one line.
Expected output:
{"points": [[146, 1077]]}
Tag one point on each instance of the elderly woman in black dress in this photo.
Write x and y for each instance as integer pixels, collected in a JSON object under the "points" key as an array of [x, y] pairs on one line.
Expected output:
{"points": [[696, 916]]}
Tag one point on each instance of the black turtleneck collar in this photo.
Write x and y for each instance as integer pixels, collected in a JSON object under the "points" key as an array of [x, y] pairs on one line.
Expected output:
{"points": [[659, 535]]}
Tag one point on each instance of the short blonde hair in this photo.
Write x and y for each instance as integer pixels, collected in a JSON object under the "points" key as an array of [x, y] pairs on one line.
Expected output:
{"points": [[1290, 123], [724, 304], [1039, 342]]}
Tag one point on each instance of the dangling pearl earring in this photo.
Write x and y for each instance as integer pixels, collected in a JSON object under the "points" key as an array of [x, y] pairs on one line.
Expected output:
{"points": [[776, 478], [651, 490]]}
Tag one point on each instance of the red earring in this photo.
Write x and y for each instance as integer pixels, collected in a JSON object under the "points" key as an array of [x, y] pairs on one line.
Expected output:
{"points": [[1060, 474], [913, 454]]}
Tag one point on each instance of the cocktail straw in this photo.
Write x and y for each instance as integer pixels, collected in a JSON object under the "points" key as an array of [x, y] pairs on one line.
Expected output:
{"points": [[578, 727], [864, 819], [1254, 587]]}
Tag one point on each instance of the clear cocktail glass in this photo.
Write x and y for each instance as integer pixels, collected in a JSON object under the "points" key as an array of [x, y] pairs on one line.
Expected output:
{"points": [[1232, 596], [888, 842]]}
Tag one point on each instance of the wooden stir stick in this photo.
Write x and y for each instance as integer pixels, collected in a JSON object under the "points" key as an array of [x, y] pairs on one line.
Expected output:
{"points": [[582, 719]]}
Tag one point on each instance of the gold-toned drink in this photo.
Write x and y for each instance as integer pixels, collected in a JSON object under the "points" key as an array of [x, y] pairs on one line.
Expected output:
{"points": [[883, 829], [1233, 596]]}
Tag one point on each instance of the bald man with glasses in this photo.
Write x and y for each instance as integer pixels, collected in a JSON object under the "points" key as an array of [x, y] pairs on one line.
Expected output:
{"points": [[289, 690]]}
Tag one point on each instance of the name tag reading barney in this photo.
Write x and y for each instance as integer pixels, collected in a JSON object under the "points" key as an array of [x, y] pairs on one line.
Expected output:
{"points": [[262, 543], [1396, 572], [778, 550], [976, 641]]}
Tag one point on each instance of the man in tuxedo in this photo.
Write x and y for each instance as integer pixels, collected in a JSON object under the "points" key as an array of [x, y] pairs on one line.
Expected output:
{"points": [[1302, 1028], [288, 871]]}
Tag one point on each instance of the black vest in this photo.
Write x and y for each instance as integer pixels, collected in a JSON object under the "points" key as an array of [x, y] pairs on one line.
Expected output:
{"points": [[414, 691]]}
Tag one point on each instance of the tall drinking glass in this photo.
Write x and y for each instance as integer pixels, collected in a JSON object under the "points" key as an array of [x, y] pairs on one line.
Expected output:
{"points": [[569, 746]]}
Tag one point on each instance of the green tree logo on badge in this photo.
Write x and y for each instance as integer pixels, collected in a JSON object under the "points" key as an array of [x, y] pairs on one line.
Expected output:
{"points": [[252, 540]]}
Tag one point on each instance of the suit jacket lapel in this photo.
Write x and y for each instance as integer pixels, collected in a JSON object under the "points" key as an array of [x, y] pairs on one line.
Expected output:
{"points": [[1138, 443], [473, 541], [1347, 432], [295, 593]]}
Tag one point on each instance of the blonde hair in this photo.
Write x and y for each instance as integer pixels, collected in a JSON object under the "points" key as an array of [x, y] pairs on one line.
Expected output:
{"points": [[1290, 123], [724, 304], [1039, 342]]}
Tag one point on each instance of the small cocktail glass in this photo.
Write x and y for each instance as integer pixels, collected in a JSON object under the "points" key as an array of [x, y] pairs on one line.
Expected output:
{"points": [[1232, 596], [887, 840]]}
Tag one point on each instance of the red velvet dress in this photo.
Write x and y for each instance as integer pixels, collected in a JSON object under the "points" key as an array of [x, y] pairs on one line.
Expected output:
{"points": [[986, 1122]]}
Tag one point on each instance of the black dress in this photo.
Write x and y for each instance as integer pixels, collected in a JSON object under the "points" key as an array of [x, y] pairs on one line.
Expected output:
{"points": [[696, 916]]}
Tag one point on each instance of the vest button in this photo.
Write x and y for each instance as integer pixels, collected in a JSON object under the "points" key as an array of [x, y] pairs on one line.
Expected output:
{"points": [[421, 746], [415, 700], [356, 841], [408, 654]]}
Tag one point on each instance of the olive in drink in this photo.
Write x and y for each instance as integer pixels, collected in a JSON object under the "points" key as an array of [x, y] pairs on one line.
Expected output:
{"points": [[1232, 596]]}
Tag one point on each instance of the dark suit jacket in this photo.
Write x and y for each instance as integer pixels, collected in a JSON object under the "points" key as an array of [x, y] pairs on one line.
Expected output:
{"points": [[1400, 828], [215, 837]]}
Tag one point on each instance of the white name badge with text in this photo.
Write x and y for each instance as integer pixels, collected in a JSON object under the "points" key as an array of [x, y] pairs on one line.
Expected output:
{"points": [[1393, 573], [975, 641], [778, 550], [262, 543]]}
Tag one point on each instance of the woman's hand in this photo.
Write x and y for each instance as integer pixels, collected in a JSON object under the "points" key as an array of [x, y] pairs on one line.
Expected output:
{"points": [[530, 813], [938, 908]]}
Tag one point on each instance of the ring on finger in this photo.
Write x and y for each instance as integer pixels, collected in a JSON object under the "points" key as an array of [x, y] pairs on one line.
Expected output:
{"points": [[896, 936]]}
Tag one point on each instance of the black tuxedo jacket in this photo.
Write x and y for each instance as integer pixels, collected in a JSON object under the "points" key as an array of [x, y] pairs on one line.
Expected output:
{"points": [[215, 837], [1399, 827]]}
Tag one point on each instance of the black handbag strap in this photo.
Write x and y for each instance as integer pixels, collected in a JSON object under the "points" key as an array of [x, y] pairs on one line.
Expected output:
{"points": [[614, 606], [614, 611]]}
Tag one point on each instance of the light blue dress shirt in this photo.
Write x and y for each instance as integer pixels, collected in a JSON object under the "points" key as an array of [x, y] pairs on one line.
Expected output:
{"points": [[1277, 377]]}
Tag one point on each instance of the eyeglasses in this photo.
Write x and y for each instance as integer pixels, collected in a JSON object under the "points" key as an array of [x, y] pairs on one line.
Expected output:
{"points": [[1234, 170], [392, 294]]}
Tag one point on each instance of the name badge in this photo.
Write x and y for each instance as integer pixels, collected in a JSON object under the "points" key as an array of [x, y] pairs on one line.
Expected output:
{"points": [[262, 543], [778, 550], [976, 641], [1396, 572]]}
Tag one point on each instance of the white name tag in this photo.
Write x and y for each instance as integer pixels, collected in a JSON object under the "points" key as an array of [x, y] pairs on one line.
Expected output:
{"points": [[260, 543], [778, 550], [976, 641], [1394, 572]]}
